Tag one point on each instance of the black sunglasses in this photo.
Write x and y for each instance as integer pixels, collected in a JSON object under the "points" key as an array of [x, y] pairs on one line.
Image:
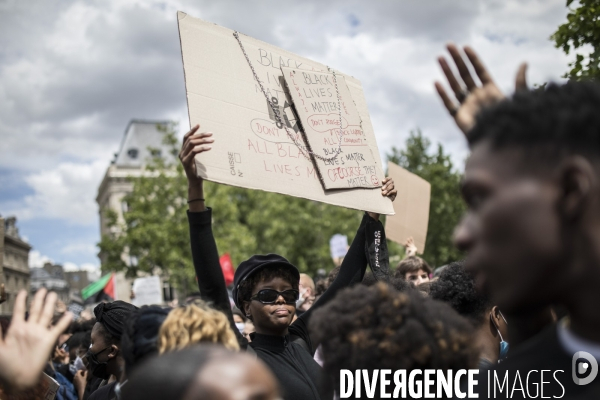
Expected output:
{"points": [[270, 296]]}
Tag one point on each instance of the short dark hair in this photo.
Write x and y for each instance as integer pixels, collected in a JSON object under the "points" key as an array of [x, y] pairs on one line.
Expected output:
{"points": [[265, 274], [76, 340], [322, 284], [456, 287], [378, 327], [412, 264], [548, 124]]}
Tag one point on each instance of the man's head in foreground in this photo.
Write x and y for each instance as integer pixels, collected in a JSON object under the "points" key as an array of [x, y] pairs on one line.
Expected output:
{"points": [[532, 187], [207, 372]]}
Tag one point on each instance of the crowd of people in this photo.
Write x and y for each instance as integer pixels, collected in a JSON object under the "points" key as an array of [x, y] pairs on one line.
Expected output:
{"points": [[522, 303]]}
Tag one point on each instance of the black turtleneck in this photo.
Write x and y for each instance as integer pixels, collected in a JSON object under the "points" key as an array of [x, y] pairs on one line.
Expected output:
{"points": [[295, 369], [289, 357]]}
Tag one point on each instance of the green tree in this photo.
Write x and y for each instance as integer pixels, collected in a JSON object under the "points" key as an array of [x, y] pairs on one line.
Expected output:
{"points": [[446, 207], [581, 31], [154, 233]]}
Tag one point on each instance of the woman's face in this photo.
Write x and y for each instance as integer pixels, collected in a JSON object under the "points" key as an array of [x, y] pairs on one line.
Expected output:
{"points": [[271, 319]]}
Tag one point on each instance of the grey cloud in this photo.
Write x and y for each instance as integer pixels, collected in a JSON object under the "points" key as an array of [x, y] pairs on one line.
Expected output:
{"points": [[75, 105]]}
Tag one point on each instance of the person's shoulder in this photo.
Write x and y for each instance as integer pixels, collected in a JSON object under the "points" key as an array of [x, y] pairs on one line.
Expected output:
{"points": [[540, 365], [542, 350], [104, 392]]}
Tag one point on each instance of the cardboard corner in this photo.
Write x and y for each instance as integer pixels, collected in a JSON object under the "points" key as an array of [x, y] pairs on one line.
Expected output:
{"points": [[411, 206]]}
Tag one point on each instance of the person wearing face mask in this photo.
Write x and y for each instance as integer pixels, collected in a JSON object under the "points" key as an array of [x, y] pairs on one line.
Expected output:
{"points": [[73, 346], [532, 224], [240, 319], [307, 294], [104, 356], [456, 287]]}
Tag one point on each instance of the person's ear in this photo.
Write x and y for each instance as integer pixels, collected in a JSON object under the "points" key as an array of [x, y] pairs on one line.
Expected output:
{"points": [[113, 352], [499, 322], [576, 179], [246, 305]]}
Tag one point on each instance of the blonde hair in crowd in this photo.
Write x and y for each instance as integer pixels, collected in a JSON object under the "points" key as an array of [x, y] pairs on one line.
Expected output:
{"points": [[195, 323]]}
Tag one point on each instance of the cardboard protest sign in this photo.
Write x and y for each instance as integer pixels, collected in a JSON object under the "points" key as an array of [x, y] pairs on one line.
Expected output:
{"points": [[251, 149], [412, 207], [147, 291], [323, 103], [49, 386]]}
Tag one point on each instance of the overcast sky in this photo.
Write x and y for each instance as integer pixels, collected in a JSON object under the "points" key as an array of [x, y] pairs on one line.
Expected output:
{"points": [[74, 73]]}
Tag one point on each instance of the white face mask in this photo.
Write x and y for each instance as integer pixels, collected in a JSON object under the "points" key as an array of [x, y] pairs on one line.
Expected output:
{"points": [[77, 365], [240, 326], [301, 298]]}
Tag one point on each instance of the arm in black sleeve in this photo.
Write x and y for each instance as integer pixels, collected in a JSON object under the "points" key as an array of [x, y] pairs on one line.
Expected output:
{"points": [[208, 268], [352, 270]]}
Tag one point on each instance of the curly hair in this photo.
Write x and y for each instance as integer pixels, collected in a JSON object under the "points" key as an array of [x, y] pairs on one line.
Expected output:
{"points": [[548, 124], [195, 323], [265, 274], [411, 264], [456, 287], [378, 327], [398, 283]]}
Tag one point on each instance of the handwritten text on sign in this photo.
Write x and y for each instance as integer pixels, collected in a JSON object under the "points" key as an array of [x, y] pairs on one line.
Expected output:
{"points": [[316, 101], [252, 148]]}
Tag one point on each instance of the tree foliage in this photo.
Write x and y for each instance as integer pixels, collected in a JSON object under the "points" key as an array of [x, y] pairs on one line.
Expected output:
{"points": [[446, 207], [155, 234], [581, 31]]}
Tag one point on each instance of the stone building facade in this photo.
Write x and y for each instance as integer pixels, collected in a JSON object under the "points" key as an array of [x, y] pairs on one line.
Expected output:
{"points": [[14, 263], [129, 162], [51, 277], [77, 280]]}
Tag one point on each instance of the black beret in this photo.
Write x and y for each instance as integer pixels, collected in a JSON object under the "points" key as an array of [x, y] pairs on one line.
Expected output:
{"points": [[253, 264]]}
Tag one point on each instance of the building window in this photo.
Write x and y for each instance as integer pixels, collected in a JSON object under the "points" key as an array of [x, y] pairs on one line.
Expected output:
{"points": [[132, 153], [156, 153]]}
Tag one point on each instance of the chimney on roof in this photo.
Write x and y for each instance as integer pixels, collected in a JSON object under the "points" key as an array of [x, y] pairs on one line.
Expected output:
{"points": [[10, 227]]}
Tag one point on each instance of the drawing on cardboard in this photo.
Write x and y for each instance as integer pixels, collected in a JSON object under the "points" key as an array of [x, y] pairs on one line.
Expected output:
{"points": [[250, 149], [316, 99]]}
